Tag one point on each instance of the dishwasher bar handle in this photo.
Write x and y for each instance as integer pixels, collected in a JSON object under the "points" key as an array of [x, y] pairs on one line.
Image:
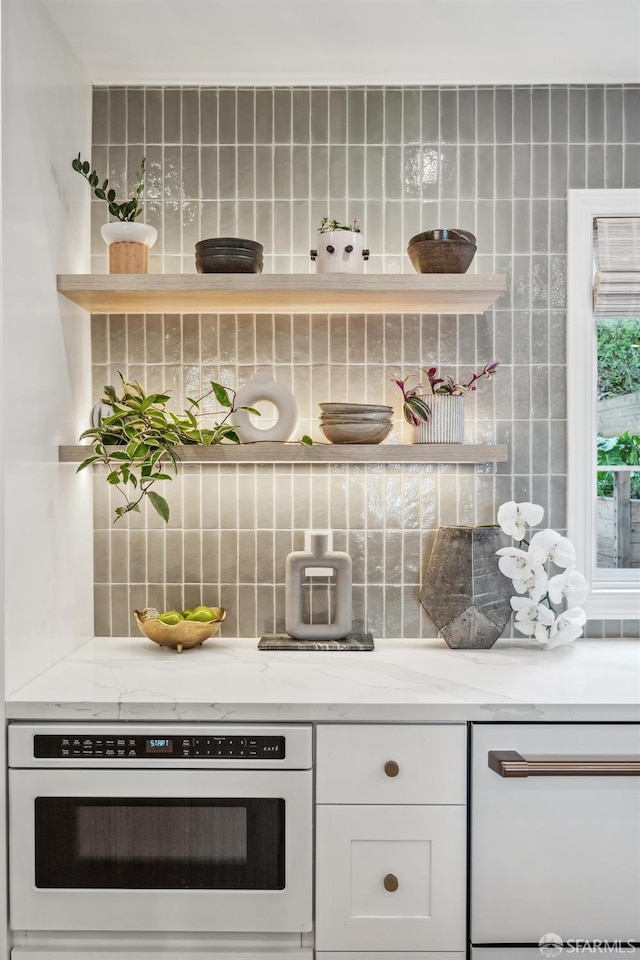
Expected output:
{"points": [[508, 763]]}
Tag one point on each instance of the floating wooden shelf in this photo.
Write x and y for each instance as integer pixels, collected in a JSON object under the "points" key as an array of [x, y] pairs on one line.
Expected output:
{"points": [[266, 452], [283, 293]]}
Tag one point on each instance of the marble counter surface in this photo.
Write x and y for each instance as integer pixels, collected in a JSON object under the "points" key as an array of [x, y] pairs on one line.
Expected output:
{"points": [[113, 678]]}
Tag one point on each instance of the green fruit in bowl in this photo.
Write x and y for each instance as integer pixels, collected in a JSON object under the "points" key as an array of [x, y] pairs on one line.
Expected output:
{"points": [[186, 613], [171, 617], [203, 615]]}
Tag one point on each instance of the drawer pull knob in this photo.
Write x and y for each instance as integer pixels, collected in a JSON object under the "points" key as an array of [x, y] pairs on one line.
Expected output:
{"points": [[391, 768], [391, 883]]}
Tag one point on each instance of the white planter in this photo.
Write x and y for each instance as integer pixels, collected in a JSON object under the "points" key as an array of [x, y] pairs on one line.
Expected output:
{"points": [[126, 231], [447, 420], [340, 251], [129, 245]]}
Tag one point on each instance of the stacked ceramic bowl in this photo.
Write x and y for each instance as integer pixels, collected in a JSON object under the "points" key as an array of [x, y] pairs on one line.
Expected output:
{"points": [[355, 422], [228, 255], [442, 251]]}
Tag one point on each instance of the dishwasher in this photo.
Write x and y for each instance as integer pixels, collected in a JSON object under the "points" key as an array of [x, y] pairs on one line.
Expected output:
{"points": [[555, 839]]}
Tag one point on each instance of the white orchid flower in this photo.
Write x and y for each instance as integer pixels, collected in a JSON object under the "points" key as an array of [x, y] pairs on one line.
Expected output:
{"points": [[549, 545], [513, 516], [532, 619], [570, 585], [567, 627], [527, 573]]}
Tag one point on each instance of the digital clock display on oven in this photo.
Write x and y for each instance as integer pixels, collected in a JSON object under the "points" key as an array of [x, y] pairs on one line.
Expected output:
{"points": [[159, 745]]}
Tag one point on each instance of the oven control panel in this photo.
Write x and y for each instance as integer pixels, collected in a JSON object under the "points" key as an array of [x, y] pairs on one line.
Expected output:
{"points": [[173, 747]]}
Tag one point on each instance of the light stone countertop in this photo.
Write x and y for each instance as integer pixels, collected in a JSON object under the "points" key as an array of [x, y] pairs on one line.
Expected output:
{"points": [[129, 678]]}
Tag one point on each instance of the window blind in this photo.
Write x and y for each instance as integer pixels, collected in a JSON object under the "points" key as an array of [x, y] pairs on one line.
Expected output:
{"points": [[616, 286]]}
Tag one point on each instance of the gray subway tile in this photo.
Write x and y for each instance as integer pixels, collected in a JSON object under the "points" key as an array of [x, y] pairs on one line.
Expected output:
{"points": [[595, 166], [301, 115], [172, 116], [430, 116], [393, 116], [522, 115], [577, 167], [613, 114], [540, 115], [135, 115], [208, 116], [631, 112], [100, 116], [411, 115], [595, 114], [264, 116], [503, 106], [337, 113], [374, 116], [467, 115], [245, 110], [613, 161], [504, 172], [559, 106], [577, 115], [190, 116], [356, 115], [448, 116], [632, 165], [117, 115], [227, 116]]}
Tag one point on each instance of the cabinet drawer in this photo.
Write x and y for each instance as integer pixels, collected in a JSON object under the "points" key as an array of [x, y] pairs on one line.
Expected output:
{"points": [[390, 878], [384, 763]]}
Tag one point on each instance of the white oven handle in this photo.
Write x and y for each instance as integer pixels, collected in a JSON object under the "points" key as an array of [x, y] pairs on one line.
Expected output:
{"points": [[509, 763]]}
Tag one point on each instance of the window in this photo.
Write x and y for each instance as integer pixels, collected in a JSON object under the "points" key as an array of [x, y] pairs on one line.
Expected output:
{"points": [[615, 587]]}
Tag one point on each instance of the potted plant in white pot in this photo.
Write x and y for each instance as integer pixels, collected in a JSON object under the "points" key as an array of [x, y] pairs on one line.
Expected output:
{"points": [[436, 410], [340, 248], [128, 240]]}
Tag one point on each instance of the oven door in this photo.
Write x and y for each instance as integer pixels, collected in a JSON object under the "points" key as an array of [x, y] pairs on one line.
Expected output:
{"points": [[173, 850]]}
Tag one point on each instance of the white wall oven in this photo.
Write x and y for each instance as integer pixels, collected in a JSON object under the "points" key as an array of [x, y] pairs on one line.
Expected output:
{"points": [[126, 827]]}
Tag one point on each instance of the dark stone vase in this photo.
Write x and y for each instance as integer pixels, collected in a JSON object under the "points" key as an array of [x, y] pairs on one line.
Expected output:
{"points": [[463, 592]]}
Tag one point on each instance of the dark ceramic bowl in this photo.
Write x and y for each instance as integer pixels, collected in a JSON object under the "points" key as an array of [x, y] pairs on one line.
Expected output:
{"points": [[441, 256], [221, 243], [228, 263], [449, 233], [228, 252]]}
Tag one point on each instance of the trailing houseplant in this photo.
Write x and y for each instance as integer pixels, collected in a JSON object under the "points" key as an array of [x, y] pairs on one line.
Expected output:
{"points": [[128, 240], [126, 211], [416, 409], [137, 441]]}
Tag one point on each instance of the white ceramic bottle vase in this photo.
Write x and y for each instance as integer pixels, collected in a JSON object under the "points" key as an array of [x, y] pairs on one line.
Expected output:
{"points": [[318, 560]]}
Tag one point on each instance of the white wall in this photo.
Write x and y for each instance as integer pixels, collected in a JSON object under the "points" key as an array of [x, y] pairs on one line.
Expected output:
{"points": [[46, 396]]}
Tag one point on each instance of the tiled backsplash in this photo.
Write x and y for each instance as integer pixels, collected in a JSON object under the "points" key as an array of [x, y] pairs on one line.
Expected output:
{"points": [[269, 164]]}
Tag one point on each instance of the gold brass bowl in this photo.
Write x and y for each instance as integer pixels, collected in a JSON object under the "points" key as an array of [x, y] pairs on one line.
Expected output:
{"points": [[180, 636]]}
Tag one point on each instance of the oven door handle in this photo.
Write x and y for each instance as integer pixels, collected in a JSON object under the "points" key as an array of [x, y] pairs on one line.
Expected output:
{"points": [[509, 763]]}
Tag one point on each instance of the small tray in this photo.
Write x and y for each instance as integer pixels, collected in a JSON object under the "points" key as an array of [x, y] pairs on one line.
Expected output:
{"points": [[281, 641]]}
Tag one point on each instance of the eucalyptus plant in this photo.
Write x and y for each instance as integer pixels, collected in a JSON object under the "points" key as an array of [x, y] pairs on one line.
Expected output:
{"points": [[126, 210], [137, 441]]}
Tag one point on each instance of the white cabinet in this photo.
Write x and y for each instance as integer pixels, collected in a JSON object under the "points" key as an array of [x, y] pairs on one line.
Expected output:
{"points": [[391, 841], [407, 763]]}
